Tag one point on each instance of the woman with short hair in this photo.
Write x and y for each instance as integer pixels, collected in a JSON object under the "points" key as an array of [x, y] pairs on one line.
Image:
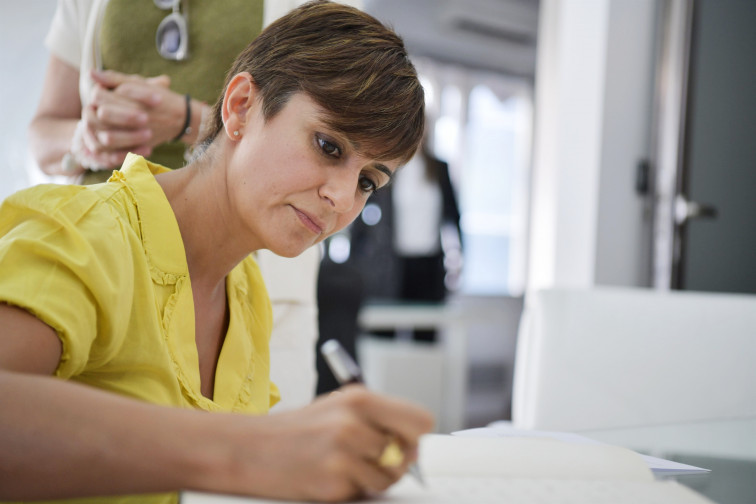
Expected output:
{"points": [[130, 309]]}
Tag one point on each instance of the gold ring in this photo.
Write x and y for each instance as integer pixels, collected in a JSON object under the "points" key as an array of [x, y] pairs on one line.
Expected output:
{"points": [[392, 456]]}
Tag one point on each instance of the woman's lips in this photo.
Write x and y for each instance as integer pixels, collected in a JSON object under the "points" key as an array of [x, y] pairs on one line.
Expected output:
{"points": [[309, 222]]}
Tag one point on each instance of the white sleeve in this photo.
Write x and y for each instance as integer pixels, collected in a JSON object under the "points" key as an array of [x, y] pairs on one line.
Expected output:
{"points": [[65, 39]]}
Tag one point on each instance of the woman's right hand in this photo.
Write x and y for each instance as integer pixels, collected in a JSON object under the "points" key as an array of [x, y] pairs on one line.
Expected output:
{"points": [[327, 451]]}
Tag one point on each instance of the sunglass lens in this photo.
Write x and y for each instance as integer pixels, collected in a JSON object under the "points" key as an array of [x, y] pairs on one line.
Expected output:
{"points": [[169, 38], [172, 37]]}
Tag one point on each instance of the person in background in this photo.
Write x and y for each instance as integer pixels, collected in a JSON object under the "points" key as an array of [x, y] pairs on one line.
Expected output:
{"points": [[137, 76], [413, 252], [134, 323], [426, 232]]}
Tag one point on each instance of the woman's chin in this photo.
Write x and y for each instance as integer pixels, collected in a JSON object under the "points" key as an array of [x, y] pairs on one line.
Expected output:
{"points": [[290, 250]]}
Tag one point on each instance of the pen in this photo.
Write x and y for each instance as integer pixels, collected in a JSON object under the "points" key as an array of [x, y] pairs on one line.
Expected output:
{"points": [[348, 372]]}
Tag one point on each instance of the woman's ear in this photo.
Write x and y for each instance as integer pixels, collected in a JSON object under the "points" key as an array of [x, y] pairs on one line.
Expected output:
{"points": [[238, 101]]}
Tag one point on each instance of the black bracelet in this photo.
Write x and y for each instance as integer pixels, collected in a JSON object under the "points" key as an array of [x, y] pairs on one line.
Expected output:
{"points": [[187, 127]]}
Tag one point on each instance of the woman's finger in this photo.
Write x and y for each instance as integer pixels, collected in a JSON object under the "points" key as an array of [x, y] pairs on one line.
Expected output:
{"points": [[143, 92], [405, 420], [371, 477], [116, 115], [123, 138]]}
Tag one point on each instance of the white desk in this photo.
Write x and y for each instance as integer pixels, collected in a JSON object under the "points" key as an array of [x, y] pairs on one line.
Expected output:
{"points": [[731, 439], [451, 323], [726, 446]]}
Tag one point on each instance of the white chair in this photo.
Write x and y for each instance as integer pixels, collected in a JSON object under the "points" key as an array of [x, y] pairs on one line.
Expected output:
{"points": [[605, 358]]}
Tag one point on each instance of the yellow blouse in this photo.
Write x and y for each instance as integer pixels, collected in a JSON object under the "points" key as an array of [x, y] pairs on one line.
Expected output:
{"points": [[105, 266]]}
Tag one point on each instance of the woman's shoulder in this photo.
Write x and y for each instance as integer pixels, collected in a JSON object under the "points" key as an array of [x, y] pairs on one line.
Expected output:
{"points": [[52, 200], [42, 211], [55, 200]]}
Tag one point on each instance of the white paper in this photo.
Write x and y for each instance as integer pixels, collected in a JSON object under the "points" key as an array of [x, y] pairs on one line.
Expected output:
{"points": [[657, 465], [487, 468], [456, 490], [535, 457]]}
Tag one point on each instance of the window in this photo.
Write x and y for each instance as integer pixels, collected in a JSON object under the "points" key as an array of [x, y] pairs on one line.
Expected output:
{"points": [[481, 125]]}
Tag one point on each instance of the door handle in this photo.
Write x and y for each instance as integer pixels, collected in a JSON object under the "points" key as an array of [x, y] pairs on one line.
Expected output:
{"points": [[686, 210]]}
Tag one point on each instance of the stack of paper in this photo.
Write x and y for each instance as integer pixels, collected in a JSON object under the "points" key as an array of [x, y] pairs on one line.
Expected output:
{"points": [[522, 470], [658, 466]]}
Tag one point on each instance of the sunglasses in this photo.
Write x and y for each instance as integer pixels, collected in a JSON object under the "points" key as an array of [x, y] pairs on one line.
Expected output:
{"points": [[172, 37]]}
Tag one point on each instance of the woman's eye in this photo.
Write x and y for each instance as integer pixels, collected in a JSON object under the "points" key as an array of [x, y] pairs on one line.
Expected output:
{"points": [[329, 148], [367, 185]]}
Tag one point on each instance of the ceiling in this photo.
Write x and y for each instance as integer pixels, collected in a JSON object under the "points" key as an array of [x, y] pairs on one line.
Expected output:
{"points": [[497, 35]]}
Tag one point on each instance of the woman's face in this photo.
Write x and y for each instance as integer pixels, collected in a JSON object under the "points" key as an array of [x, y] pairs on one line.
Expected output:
{"points": [[293, 181]]}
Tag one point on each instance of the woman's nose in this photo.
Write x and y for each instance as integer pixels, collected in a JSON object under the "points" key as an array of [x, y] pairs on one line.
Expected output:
{"points": [[339, 189]]}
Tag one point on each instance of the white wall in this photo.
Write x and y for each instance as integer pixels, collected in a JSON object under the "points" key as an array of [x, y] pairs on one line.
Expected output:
{"points": [[623, 245], [593, 99], [23, 58]]}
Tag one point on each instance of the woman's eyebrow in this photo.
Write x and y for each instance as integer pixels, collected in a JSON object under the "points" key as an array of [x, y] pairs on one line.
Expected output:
{"points": [[378, 166], [384, 169]]}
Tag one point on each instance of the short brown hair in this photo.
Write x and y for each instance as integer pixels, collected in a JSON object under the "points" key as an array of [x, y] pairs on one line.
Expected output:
{"points": [[350, 64]]}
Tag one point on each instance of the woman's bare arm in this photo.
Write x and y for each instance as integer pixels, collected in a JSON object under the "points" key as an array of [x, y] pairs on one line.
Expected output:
{"points": [[78, 440], [54, 122], [81, 441]]}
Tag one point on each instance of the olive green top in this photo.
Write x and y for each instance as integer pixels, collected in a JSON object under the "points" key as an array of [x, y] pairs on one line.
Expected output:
{"points": [[218, 31]]}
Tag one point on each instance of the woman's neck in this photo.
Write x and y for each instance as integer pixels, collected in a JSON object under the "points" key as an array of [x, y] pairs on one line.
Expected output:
{"points": [[197, 195]]}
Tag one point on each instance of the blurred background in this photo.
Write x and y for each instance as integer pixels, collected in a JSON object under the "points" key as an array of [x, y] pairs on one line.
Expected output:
{"points": [[586, 143]]}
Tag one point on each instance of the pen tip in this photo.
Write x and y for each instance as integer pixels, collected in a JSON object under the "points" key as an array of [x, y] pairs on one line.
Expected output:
{"points": [[415, 471]]}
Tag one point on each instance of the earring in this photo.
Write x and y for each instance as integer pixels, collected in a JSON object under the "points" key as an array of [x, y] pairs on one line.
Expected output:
{"points": [[236, 133]]}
